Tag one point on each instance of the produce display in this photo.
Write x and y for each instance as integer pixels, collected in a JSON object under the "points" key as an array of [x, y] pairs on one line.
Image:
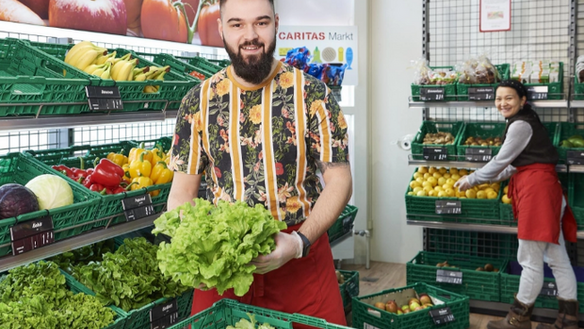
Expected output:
{"points": [[424, 75], [543, 71], [478, 141], [506, 199], [439, 182], [413, 304], [83, 255], [36, 296], [438, 138], [213, 245], [487, 268], [575, 141], [135, 283], [96, 61], [478, 70]]}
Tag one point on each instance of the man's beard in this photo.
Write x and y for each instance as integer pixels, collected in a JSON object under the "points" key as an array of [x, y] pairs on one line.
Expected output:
{"points": [[257, 68]]}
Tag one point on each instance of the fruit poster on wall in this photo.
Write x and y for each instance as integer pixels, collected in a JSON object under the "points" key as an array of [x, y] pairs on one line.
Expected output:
{"points": [[184, 21], [327, 44]]}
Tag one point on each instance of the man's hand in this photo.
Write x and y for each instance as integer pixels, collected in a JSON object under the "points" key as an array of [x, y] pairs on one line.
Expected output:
{"points": [[463, 184], [288, 246]]}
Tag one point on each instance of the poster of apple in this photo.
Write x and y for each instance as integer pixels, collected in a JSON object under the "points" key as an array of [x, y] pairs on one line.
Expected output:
{"points": [[169, 20]]}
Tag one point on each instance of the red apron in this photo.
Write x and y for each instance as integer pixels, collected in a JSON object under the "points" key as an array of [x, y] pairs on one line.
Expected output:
{"points": [[536, 194], [307, 286]]}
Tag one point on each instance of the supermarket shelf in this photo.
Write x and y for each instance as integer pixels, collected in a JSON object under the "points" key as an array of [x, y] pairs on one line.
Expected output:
{"points": [[561, 103], [73, 120], [501, 309], [76, 242], [468, 164], [471, 227]]}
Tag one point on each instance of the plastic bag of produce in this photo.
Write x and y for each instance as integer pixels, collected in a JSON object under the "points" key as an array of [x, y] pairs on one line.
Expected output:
{"points": [[486, 72], [421, 72]]}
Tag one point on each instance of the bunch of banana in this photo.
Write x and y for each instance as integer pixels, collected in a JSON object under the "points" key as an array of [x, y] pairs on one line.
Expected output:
{"points": [[101, 70], [123, 70], [82, 55], [155, 73], [101, 59]]}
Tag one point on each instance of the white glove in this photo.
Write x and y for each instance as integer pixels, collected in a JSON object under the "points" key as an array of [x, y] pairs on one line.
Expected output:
{"points": [[463, 184], [288, 246]]}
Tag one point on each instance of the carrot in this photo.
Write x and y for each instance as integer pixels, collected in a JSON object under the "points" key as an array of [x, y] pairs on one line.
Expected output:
{"points": [[14, 11]]}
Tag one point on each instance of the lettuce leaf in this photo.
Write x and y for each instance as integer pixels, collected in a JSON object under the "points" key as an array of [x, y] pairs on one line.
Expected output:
{"points": [[213, 245]]}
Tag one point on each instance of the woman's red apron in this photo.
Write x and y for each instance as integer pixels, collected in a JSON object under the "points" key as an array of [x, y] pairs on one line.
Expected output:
{"points": [[536, 194]]}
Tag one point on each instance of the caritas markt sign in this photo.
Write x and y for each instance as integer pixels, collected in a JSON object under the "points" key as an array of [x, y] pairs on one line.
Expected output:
{"points": [[327, 44]]}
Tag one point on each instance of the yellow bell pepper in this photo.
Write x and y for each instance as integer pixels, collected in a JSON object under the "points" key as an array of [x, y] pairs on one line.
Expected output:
{"points": [[161, 174], [127, 178], [140, 182], [140, 167], [136, 151], [157, 155], [117, 158]]}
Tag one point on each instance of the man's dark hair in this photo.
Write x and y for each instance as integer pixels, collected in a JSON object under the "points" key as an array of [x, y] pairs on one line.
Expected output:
{"points": [[222, 3]]}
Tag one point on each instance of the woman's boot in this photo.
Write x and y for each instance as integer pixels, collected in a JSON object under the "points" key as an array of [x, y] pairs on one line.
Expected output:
{"points": [[518, 317], [567, 316]]}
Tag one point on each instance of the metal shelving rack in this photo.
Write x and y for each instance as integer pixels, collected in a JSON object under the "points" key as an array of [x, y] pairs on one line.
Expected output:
{"points": [[541, 29]]}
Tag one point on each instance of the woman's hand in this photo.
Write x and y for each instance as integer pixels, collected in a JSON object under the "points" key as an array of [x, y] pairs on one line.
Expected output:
{"points": [[462, 184]]}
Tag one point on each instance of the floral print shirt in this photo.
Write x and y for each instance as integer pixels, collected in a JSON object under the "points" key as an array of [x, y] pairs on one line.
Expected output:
{"points": [[260, 145]]}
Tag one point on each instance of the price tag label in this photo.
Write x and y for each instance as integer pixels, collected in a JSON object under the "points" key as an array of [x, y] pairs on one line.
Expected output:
{"points": [[165, 322], [104, 98], [31, 235], [445, 276], [549, 289], [442, 315], [448, 207], [575, 158], [164, 309], [137, 207], [481, 93], [537, 93], [432, 94], [435, 154], [475, 154]]}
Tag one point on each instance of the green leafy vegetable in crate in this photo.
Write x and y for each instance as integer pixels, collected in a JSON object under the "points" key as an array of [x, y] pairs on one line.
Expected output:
{"points": [[83, 255], [122, 281], [36, 296], [245, 324], [574, 141], [214, 245]]}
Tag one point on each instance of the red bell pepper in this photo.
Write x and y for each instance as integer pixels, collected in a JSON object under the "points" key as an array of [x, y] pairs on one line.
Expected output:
{"points": [[63, 169], [107, 173], [96, 187]]}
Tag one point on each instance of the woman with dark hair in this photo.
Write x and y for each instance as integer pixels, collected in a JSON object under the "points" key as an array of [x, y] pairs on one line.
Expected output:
{"points": [[528, 157]]}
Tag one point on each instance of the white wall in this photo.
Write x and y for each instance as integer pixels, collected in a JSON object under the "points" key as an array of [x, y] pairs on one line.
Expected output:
{"points": [[396, 38]]}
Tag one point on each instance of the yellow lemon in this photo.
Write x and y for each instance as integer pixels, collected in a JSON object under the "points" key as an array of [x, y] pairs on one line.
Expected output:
{"points": [[489, 189], [496, 187], [441, 181], [441, 194], [414, 184], [481, 194], [432, 170], [505, 190], [471, 194], [463, 172], [411, 193], [432, 193], [438, 188], [492, 195], [418, 174], [483, 186], [455, 177], [417, 189], [453, 171], [449, 192], [460, 194], [450, 181], [420, 180], [427, 184], [422, 193], [423, 170], [427, 175], [446, 175], [443, 170], [427, 188], [433, 181], [436, 175], [506, 199]]}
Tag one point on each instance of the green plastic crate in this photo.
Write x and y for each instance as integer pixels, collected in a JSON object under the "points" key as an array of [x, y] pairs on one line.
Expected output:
{"points": [[350, 288], [462, 88], [228, 312], [343, 224], [76, 287], [28, 75], [366, 316], [220, 62], [172, 89], [576, 197], [510, 286], [473, 211], [565, 131], [555, 89], [164, 142], [475, 284], [449, 89], [482, 130], [180, 64], [140, 318], [204, 64], [578, 89], [68, 221], [479, 244], [455, 128]]}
